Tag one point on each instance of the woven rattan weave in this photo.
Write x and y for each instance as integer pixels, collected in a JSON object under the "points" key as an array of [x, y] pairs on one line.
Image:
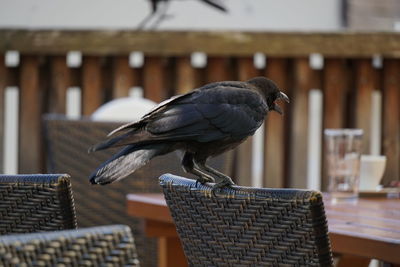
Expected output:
{"points": [[242, 226], [97, 246], [67, 145], [37, 202]]}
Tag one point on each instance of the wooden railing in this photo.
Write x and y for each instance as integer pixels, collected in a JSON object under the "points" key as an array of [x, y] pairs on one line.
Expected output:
{"points": [[347, 80]]}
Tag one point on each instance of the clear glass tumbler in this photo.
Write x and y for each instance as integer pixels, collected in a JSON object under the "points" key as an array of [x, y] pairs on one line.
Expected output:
{"points": [[342, 157]]}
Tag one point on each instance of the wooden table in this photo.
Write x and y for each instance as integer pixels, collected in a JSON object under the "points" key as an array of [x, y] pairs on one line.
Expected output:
{"points": [[367, 229]]}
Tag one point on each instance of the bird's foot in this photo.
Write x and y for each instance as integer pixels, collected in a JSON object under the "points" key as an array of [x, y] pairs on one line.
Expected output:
{"points": [[226, 182], [204, 179]]}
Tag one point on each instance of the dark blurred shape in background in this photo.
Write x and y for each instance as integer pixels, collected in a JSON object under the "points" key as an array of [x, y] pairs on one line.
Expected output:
{"points": [[383, 15], [160, 13]]}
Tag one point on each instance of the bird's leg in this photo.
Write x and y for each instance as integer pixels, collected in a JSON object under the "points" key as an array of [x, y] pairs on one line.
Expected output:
{"points": [[225, 179], [189, 166]]}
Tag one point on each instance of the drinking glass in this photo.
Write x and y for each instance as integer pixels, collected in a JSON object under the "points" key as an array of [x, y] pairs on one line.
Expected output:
{"points": [[342, 157]]}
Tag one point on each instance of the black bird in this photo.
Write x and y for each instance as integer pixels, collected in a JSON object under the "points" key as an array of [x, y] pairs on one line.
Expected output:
{"points": [[203, 123], [162, 15]]}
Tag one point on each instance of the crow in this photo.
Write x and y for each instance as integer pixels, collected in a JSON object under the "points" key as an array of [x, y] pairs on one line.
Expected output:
{"points": [[203, 123]]}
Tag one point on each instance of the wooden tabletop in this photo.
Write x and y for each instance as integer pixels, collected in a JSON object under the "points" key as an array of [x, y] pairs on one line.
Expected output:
{"points": [[367, 228]]}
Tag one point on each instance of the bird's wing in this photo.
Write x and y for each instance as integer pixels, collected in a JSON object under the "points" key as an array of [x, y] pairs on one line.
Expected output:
{"points": [[175, 100], [137, 124], [209, 115]]}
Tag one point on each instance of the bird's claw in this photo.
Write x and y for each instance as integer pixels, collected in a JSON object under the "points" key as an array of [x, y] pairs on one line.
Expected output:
{"points": [[203, 180], [218, 186]]}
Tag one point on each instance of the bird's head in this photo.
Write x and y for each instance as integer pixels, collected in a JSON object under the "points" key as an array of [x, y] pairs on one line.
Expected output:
{"points": [[270, 91]]}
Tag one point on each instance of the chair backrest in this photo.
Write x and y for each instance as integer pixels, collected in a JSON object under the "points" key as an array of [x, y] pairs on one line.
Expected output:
{"points": [[67, 144], [37, 202], [97, 246], [242, 226]]}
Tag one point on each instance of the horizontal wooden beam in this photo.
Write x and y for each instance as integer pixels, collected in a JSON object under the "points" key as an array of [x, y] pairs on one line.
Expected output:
{"points": [[287, 44]]}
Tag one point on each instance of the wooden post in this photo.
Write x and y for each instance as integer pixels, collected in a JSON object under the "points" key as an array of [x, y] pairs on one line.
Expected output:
{"points": [[30, 149], [275, 144], [92, 85], [59, 83], [154, 87], [124, 77], [391, 115], [217, 69], [335, 85], [303, 76], [3, 84], [364, 83], [186, 80], [246, 70]]}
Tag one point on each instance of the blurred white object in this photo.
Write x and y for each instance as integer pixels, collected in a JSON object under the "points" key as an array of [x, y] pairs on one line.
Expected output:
{"points": [[123, 109], [198, 59], [376, 123], [73, 103], [314, 141], [74, 59], [371, 171], [11, 58], [11, 130]]}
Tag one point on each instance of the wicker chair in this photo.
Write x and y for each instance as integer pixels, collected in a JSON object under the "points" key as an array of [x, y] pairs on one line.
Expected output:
{"points": [[33, 203], [242, 226], [67, 145], [98, 246]]}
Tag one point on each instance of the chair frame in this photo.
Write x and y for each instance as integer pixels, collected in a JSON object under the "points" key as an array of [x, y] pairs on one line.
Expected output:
{"points": [[111, 245], [244, 226], [36, 202]]}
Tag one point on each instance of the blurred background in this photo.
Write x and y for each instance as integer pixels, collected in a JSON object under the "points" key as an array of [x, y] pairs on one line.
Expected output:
{"points": [[180, 15], [256, 15], [338, 60], [72, 56]]}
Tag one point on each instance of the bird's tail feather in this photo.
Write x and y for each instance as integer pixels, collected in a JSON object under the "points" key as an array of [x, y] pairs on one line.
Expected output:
{"points": [[107, 143], [128, 160]]}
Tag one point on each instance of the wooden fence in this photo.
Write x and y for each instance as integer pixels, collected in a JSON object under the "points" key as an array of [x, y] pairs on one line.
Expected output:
{"points": [[347, 80]]}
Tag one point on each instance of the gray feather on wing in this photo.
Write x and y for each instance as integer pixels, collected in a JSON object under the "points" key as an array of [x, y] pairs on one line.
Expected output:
{"points": [[128, 160]]}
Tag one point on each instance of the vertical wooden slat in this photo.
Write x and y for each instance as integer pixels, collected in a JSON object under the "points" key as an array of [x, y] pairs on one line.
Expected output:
{"points": [[364, 83], [75, 77], [303, 76], [275, 134], [154, 87], [59, 83], [30, 152], [391, 121], [335, 85], [186, 79], [124, 76], [246, 70], [169, 74], [107, 81], [3, 83], [91, 85], [217, 69]]}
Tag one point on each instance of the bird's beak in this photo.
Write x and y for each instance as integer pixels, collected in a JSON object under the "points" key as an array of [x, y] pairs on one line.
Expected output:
{"points": [[284, 97]]}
